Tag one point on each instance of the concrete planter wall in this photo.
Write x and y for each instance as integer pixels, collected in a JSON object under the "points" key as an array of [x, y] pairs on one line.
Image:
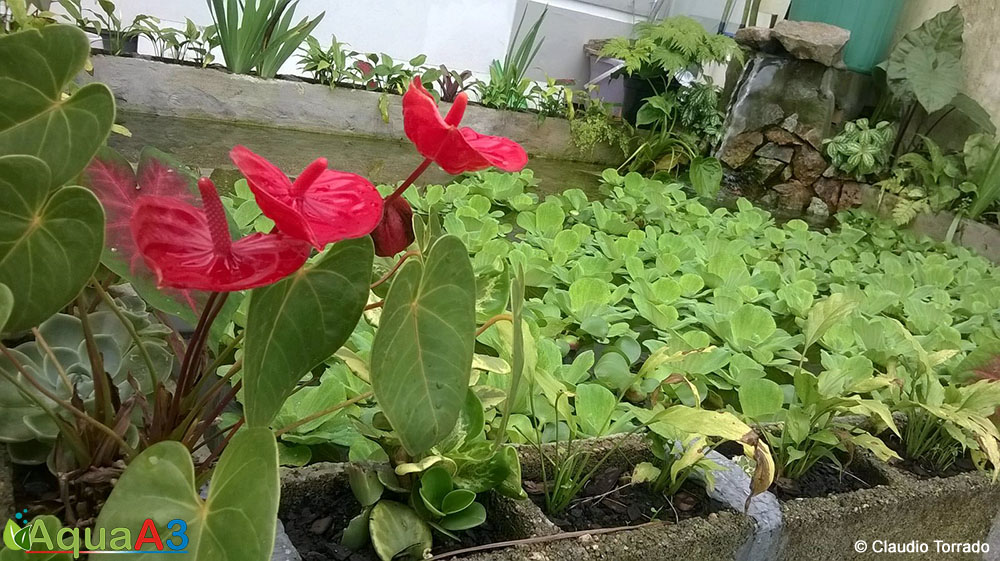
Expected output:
{"points": [[151, 87], [977, 236], [903, 509]]}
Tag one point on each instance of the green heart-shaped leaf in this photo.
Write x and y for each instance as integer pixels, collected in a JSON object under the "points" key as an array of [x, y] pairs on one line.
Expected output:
{"points": [[396, 529], [6, 305], [35, 68], [422, 353], [235, 523], [49, 245], [295, 324]]}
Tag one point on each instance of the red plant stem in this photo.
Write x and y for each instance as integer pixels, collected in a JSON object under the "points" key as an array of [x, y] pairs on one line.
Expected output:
{"points": [[374, 305], [409, 180], [102, 391], [192, 436], [189, 367], [395, 268], [215, 453]]}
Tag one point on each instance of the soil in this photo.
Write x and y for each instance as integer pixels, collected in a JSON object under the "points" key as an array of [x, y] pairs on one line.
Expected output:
{"points": [[315, 530], [37, 491], [825, 479], [921, 468], [607, 503]]}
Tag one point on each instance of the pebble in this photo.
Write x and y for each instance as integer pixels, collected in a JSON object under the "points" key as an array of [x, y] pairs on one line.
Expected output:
{"points": [[321, 525]]}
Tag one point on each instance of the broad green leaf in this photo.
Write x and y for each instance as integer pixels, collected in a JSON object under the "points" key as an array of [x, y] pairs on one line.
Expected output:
{"points": [[934, 77], [49, 245], [422, 352], [751, 324], [469, 517], [365, 485], [923, 65], [706, 176], [396, 530], [682, 420], [457, 501], [760, 398], [594, 407], [295, 324], [235, 523], [6, 305], [645, 472], [825, 314], [36, 66], [435, 484]]}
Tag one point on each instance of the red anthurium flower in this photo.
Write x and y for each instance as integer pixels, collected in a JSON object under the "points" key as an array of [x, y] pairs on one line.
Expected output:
{"points": [[321, 206], [395, 232], [455, 150], [190, 248]]}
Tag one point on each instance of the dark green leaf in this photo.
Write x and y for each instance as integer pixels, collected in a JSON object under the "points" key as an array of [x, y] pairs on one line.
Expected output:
{"points": [[235, 523], [396, 529], [295, 324], [49, 245], [37, 66], [422, 353]]}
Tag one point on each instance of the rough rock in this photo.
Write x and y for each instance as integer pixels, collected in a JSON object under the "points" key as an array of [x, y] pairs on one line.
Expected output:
{"points": [[791, 123], [793, 196], [775, 152], [830, 172], [738, 150], [766, 170], [850, 195], [818, 208], [808, 164], [786, 174], [758, 39], [808, 40], [812, 135], [782, 137], [829, 190]]}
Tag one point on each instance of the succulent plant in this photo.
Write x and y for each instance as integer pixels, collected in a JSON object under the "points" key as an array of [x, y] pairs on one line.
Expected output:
{"points": [[25, 426]]}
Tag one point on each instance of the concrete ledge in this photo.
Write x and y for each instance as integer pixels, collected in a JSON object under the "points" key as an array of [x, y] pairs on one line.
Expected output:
{"points": [[903, 508], [977, 236], [147, 86]]}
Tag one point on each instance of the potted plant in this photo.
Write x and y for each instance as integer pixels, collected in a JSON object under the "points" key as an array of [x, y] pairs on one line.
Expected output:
{"points": [[115, 39], [665, 54]]}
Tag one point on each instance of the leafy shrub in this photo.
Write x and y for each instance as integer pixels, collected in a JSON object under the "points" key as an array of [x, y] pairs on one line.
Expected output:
{"points": [[670, 46], [860, 150]]}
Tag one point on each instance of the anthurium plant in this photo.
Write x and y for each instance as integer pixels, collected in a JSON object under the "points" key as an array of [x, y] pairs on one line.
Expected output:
{"points": [[169, 232]]}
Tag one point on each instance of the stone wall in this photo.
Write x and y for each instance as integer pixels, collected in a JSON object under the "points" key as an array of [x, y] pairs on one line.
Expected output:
{"points": [[784, 104]]}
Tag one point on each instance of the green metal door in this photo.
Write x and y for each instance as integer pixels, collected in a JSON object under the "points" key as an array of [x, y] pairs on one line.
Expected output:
{"points": [[872, 24]]}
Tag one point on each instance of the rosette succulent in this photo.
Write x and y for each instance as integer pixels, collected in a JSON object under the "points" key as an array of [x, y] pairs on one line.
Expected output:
{"points": [[25, 426]]}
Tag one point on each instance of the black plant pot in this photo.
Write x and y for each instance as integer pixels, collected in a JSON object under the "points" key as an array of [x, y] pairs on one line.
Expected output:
{"points": [[636, 90], [129, 45]]}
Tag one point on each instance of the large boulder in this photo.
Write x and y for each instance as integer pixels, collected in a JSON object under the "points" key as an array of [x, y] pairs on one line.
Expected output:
{"points": [[758, 39], [809, 40], [778, 92]]}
